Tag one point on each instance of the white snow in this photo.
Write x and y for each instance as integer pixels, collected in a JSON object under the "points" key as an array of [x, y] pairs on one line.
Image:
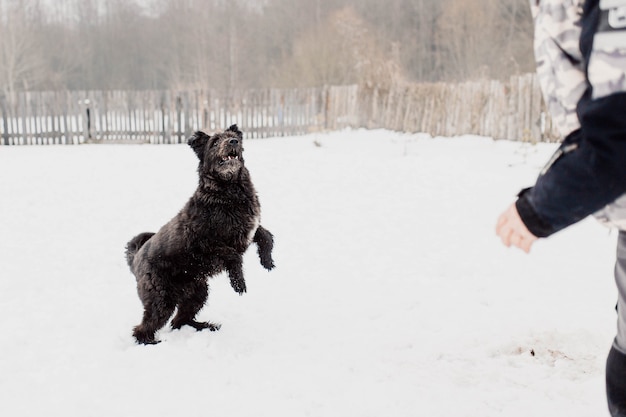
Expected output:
{"points": [[392, 295]]}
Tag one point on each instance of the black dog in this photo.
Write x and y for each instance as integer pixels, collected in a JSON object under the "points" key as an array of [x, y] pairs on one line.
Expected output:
{"points": [[208, 236]]}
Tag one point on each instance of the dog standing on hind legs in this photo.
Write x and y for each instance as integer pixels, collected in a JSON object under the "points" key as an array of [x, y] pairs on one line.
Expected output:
{"points": [[209, 235]]}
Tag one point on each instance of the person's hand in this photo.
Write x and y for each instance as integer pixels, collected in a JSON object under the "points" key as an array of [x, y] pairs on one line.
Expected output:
{"points": [[513, 231]]}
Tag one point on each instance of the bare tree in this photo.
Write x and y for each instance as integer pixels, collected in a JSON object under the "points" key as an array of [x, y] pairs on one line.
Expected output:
{"points": [[141, 44], [483, 38], [342, 50], [20, 65]]}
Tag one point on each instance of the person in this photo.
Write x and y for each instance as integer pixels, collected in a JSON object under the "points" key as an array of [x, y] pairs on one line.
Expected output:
{"points": [[580, 49]]}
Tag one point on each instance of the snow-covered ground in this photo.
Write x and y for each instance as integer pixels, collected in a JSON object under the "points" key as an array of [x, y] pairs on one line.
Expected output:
{"points": [[391, 297]]}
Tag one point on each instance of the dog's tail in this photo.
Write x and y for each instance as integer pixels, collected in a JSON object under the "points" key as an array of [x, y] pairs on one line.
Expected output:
{"points": [[135, 243]]}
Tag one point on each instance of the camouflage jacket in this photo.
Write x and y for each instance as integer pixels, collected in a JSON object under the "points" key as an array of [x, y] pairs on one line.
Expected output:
{"points": [[580, 48]]}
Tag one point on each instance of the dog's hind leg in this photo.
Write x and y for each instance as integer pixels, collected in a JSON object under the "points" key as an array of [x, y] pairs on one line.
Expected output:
{"points": [[190, 302], [265, 243], [158, 308]]}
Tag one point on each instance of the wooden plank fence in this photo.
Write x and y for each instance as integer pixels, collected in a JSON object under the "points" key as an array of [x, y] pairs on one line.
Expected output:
{"points": [[512, 110], [503, 110]]}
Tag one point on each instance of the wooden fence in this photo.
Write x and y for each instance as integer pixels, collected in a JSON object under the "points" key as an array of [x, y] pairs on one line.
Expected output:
{"points": [[511, 110], [503, 110]]}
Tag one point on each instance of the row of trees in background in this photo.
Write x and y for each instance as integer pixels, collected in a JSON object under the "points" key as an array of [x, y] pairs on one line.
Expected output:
{"points": [[226, 44]]}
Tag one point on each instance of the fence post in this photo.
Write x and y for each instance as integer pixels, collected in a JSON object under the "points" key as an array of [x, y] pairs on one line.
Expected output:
{"points": [[326, 104], [5, 119], [165, 121], [88, 111], [87, 115], [179, 116]]}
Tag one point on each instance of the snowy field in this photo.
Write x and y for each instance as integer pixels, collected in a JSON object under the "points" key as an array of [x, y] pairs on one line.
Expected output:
{"points": [[392, 295]]}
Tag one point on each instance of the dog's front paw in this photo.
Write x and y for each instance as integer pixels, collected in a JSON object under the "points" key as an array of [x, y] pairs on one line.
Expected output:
{"points": [[239, 285], [267, 263]]}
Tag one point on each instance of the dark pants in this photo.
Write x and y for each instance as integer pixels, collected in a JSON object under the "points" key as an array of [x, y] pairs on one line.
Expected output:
{"points": [[616, 383], [616, 362]]}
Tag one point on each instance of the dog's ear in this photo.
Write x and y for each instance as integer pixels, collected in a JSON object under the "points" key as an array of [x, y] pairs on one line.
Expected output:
{"points": [[235, 130], [198, 142]]}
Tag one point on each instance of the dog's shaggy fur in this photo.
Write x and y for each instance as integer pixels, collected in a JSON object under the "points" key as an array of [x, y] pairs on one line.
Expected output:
{"points": [[208, 236]]}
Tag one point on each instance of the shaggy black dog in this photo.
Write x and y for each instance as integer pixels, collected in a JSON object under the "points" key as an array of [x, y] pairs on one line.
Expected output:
{"points": [[208, 236]]}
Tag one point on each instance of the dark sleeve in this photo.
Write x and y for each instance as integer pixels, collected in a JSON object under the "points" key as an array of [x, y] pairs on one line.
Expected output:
{"points": [[588, 172], [589, 169]]}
